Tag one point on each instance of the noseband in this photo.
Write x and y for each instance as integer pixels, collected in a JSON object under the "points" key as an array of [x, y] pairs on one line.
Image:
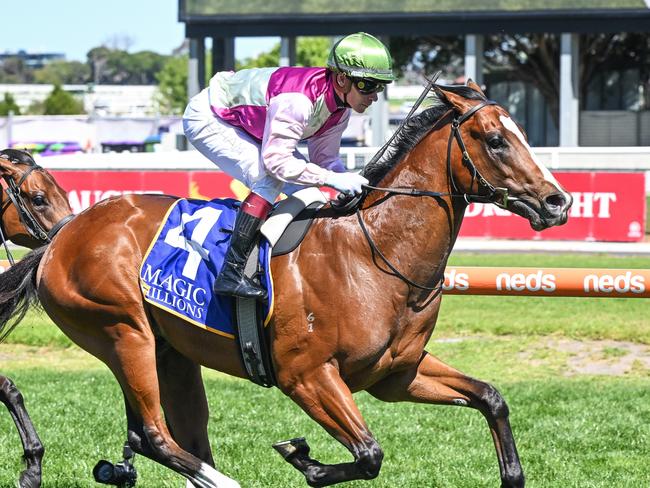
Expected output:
{"points": [[33, 227]]}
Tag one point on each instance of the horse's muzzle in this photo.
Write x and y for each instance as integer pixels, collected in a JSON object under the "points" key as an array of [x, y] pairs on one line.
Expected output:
{"points": [[550, 211]]}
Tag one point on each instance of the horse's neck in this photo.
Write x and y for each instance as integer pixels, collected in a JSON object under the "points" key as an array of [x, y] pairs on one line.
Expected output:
{"points": [[417, 232]]}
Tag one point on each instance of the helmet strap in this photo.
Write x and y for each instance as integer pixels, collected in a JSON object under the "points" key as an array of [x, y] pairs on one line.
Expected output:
{"points": [[340, 101], [345, 100]]}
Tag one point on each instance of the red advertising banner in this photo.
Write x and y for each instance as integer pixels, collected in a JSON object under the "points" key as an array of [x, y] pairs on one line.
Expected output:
{"points": [[607, 206], [86, 188]]}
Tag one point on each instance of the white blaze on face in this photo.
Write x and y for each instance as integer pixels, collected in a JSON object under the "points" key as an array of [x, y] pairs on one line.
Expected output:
{"points": [[509, 124]]}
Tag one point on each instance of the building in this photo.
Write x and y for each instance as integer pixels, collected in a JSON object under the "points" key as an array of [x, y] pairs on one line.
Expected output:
{"points": [[579, 124], [100, 100], [32, 60]]}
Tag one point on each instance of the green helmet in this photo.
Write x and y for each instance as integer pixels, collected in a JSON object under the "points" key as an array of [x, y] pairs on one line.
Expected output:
{"points": [[361, 55]]}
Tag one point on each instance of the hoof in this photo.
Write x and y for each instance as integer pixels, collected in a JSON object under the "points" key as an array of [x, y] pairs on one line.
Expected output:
{"points": [[292, 447]]}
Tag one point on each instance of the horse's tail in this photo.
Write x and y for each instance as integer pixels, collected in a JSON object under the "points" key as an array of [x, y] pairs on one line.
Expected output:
{"points": [[18, 291]]}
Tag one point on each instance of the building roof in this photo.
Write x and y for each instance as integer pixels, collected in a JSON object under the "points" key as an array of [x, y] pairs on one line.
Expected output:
{"points": [[416, 17]]}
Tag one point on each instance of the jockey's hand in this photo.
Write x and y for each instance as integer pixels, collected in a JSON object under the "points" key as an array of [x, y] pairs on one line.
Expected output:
{"points": [[346, 183]]}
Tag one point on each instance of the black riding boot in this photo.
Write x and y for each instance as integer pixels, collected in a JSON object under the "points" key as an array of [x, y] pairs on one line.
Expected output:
{"points": [[232, 281]]}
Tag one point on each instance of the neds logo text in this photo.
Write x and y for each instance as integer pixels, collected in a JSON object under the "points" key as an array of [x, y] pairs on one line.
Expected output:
{"points": [[531, 282], [622, 283]]}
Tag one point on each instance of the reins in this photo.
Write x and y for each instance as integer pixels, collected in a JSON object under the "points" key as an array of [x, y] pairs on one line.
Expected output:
{"points": [[496, 195], [347, 205]]}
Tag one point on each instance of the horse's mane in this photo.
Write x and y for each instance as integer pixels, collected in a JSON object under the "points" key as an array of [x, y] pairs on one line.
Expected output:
{"points": [[413, 131]]}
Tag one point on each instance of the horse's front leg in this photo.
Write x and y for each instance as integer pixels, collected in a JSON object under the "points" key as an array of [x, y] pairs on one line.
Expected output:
{"points": [[324, 396], [432, 381], [32, 446], [183, 399]]}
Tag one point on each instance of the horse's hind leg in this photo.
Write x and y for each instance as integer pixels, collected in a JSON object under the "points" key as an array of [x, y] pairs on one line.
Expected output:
{"points": [[327, 399], [133, 362], [32, 446], [432, 381]]}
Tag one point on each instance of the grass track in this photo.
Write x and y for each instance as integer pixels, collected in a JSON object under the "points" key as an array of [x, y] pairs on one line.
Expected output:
{"points": [[572, 431], [578, 431]]}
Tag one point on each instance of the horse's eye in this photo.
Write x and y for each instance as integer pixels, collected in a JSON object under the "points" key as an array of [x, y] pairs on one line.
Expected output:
{"points": [[496, 142], [38, 200]]}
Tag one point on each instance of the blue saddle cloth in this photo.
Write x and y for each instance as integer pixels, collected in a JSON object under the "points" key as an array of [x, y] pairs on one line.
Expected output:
{"points": [[186, 255]]}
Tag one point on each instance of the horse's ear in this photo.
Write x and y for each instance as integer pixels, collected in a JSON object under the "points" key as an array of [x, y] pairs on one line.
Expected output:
{"points": [[474, 86], [461, 103]]}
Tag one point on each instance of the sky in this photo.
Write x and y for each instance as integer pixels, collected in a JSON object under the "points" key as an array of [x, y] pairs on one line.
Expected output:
{"points": [[74, 27]]}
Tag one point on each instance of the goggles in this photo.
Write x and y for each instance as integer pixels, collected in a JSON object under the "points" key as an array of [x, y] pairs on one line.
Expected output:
{"points": [[366, 86]]}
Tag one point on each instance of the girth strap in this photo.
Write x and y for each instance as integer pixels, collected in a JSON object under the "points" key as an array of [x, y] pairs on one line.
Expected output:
{"points": [[251, 335]]}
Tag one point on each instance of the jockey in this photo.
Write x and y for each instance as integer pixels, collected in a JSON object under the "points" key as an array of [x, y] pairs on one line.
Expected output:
{"points": [[250, 122]]}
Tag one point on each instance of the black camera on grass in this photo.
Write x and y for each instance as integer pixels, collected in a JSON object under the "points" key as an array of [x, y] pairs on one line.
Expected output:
{"points": [[122, 474]]}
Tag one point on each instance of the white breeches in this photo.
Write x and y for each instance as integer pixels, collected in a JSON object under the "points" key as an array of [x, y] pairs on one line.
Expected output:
{"points": [[233, 150]]}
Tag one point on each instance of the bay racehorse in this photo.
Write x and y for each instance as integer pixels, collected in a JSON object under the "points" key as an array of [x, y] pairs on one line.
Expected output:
{"points": [[355, 303], [33, 209]]}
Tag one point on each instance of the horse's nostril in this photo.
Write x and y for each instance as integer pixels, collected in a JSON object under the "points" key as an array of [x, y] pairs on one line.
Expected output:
{"points": [[555, 203]]}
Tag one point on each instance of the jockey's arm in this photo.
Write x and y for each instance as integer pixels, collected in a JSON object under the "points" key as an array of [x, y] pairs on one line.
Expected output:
{"points": [[286, 120], [324, 148]]}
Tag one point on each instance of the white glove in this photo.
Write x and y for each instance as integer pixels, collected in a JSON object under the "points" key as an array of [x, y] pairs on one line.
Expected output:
{"points": [[347, 183]]}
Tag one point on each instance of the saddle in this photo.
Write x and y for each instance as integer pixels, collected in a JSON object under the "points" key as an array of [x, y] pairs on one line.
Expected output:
{"points": [[184, 257], [284, 230]]}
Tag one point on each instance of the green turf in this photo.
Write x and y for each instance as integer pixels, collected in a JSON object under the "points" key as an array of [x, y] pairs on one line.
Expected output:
{"points": [[572, 430], [582, 432], [550, 260]]}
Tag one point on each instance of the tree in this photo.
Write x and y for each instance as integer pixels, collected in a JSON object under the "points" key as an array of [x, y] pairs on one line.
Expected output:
{"points": [[602, 53], [310, 51], [265, 59], [118, 67], [63, 73], [14, 70], [534, 58], [60, 102], [97, 59], [8, 104], [172, 85], [143, 67], [416, 56], [313, 51]]}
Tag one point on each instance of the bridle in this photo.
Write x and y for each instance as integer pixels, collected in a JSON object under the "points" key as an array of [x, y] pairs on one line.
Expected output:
{"points": [[31, 224], [491, 194], [496, 195]]}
